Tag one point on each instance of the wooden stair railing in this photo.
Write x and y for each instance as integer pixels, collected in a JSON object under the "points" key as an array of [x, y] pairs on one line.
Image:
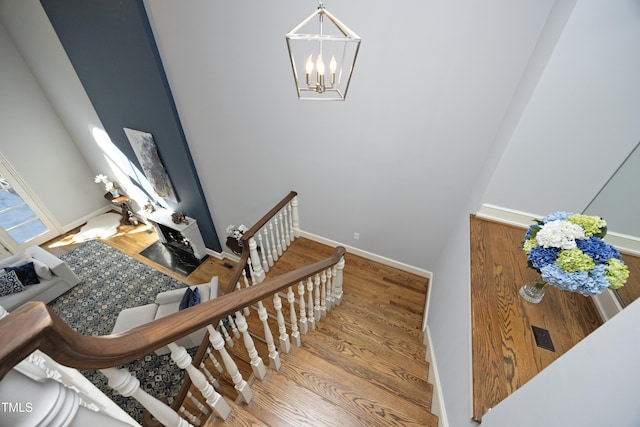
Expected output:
{"points": [[34, 326], [271, 231]]}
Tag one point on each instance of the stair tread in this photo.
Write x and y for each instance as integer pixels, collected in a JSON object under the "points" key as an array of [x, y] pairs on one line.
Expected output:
{"points": [[391, 375], [352, 394], [280, 401], [381, 335]]}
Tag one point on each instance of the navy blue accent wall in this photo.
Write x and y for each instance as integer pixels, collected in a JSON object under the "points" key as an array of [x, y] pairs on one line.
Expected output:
{"points": [[111, 47]]}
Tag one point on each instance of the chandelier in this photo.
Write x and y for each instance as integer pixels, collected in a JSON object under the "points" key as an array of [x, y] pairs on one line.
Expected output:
{"points": [[323, 52]]}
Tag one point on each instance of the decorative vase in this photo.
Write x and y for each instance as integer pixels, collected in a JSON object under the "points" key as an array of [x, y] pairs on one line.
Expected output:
{"points": [[534, 290], [115, 193]]}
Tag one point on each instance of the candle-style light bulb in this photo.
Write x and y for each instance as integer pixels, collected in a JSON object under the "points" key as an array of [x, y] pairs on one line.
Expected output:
{"points": [[320, 68], [309, 69], [320, 65], [332, 69]]}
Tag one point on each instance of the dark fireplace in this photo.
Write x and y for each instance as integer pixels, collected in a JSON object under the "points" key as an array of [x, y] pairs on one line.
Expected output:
{"points": [[175, 239]]}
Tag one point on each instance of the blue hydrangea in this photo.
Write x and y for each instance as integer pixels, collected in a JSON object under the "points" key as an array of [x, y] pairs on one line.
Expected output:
{"points": [[598, 249], [586, 283], [554, 216], [539, 256]]}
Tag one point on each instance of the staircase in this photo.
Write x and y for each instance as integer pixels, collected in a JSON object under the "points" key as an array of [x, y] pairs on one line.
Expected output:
{"points": [[363, 365], [361, 362]]}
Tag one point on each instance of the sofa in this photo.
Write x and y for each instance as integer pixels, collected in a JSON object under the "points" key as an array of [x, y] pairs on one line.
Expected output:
{"points": [[54, 276], [167, 303]]}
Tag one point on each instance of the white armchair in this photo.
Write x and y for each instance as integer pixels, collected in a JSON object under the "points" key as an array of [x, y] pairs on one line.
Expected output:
{"points": [[166, 303]]}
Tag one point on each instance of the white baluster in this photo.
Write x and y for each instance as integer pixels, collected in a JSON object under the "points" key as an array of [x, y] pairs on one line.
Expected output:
{"points": [[255, 259], [304, 328], [215, 362], [287, 229], [274, 357], [198, 404], [337, 282], [278, 239], [245, 310], [285, 344], [316, 307], [263, 257], [311, 320], [240, 384], [295, 218], [214, 382], [188, 415], [291, 231], [234, 329], [225, 333], [329, 289], [267, 248], [257, 365], [323, 299], [283, 241], [127, 385], [274, 247], [183, 360], [295, 334]]}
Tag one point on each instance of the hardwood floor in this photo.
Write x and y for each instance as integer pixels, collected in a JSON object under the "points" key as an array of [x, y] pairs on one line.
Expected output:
{"points": [[505, 355], [363, 365]]}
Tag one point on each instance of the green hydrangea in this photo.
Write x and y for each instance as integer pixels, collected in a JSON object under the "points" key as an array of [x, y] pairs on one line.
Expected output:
{"points": [[529, 244], [617, 273], [592, 225], [571, 260]]}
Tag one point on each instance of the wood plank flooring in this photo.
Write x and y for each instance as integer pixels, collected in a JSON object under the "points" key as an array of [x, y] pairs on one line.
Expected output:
{"points": [[363, 365], [505, 355]]}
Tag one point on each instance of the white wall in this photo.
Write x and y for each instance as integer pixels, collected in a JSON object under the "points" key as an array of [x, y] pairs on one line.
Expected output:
{"points": [[37, 145], [431, 86], [582, 120]]}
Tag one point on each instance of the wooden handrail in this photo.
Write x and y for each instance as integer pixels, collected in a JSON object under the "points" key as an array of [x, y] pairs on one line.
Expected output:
{"points": [[34, 326], [249, 234]]}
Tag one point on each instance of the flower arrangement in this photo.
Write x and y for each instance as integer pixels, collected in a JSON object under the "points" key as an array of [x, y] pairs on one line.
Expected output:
{"points": [[568, 251], [237, 233], [108, 185]]}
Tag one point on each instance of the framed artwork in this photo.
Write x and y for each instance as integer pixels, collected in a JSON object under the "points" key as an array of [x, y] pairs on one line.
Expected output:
{"points": [[145, 148]]}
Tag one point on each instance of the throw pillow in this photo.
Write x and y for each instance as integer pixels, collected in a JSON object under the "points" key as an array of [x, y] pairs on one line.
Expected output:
{"points": [[42, 270], [26, 273], [191, 297], [10, 284]]}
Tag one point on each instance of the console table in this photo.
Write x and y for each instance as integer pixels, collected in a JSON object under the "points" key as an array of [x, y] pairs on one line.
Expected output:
{"points": [[185, 236]]}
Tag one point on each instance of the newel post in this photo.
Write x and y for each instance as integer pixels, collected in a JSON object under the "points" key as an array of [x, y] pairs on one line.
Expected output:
{"points": [[256, 263], [337, 281], [295, 218]]}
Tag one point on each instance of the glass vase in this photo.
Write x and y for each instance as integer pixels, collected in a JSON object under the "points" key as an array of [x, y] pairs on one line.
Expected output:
{"points": [[534, 290]]}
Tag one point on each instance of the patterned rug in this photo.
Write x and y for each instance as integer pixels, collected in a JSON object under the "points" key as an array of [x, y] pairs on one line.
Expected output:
{"points": [[110, 282]]}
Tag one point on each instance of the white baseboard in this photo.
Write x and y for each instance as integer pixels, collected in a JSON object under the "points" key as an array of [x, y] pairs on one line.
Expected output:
{"points": [[437, 401], [624, 243], [507, 216], [369, 255], [81, 221]]}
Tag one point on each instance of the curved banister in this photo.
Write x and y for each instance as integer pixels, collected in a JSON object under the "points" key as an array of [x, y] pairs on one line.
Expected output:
{"points": [[249, 234], [34, 326]]}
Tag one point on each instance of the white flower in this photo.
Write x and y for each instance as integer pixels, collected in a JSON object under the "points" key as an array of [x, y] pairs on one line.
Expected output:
{"points": [[230, 229], [559, 234]]}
